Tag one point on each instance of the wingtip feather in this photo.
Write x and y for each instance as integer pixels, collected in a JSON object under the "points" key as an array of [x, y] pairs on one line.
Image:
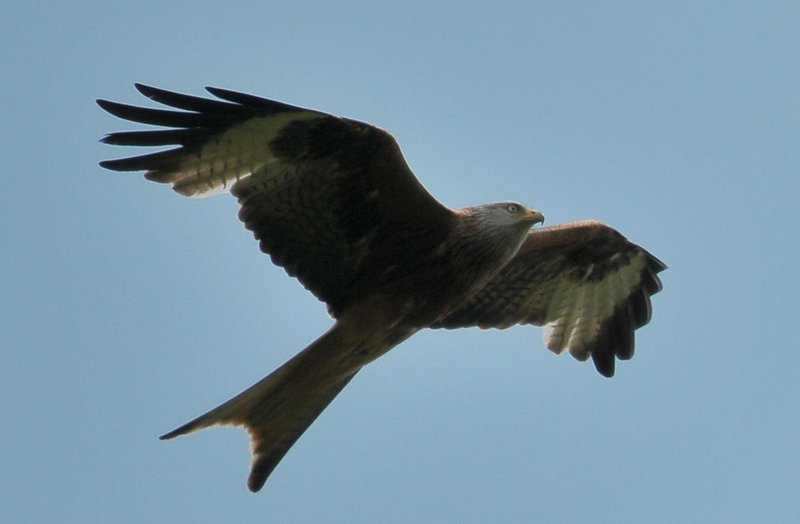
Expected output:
{"points": [[144, 88]]}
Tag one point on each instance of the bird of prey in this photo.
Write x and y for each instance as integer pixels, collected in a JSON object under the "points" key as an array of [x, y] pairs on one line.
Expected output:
{"points": [[333, 202]]}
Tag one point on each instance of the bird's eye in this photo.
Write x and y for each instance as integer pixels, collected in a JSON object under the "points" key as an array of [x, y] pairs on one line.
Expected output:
{"points": [[513, 208]]}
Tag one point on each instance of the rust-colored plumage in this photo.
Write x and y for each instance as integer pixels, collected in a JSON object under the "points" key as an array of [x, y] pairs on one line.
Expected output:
{"points": [[334, 203]]}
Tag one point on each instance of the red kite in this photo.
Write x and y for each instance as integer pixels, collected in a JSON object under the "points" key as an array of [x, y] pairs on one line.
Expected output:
{"points": [[334, 203]]}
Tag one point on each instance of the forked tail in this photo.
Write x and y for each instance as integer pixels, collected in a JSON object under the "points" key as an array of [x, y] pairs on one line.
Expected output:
{"points": [[280, 407]]}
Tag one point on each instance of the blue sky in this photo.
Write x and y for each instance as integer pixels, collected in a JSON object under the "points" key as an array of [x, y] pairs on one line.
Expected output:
{"points": [[126, 310]]}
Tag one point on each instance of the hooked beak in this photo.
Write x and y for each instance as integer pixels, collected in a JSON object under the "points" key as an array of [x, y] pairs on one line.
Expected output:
{"points": [[535, 217]]}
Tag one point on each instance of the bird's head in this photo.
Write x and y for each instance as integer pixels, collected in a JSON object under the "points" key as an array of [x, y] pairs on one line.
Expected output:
{"points": [[496, 231], [511, 214], [502, 226]]}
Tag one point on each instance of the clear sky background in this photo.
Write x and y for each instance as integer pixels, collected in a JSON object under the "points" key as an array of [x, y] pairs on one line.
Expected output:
{"points": [[126, 310]]}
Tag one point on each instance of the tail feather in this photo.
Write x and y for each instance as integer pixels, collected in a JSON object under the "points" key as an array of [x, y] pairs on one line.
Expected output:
{"points": [[280, 407], [271, 443]]}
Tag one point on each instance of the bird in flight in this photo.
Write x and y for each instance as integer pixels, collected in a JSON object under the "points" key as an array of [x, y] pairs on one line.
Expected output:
{"points": [[333, 202]]}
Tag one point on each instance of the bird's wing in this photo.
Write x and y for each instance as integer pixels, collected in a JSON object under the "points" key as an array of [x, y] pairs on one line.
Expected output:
{"points": [[328, 198], [584, 282]]}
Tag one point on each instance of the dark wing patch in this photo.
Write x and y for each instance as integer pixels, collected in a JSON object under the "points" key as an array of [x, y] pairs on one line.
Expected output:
{"points": [[584, 282], [338, 207], [328, 198]]}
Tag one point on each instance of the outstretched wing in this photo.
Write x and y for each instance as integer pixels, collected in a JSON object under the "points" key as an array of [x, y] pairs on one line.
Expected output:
{"points": [[327, 197], [584, 282]]}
